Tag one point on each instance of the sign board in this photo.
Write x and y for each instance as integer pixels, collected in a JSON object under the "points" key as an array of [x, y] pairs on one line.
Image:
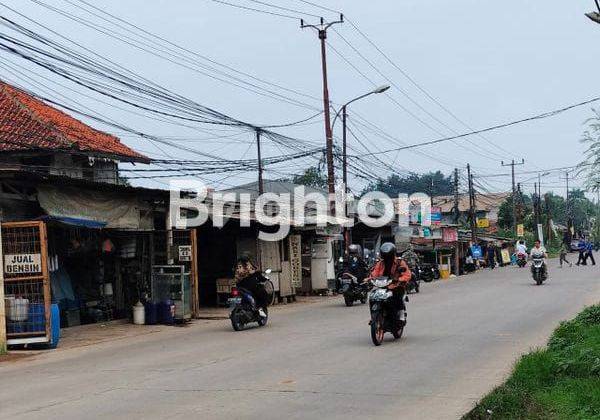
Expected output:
{"points": [[483, 223], [476, 252], [449, 235], [505, 256], [22, 263], [520, 230], [436, 215], [185, 253], [328, 230], [540, 229]]}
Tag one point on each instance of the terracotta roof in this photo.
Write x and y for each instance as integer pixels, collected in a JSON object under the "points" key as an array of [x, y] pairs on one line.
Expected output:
{"points": [[483, 202], [27, 123]]}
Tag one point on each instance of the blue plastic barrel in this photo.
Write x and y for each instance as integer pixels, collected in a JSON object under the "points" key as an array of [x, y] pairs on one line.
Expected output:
{"points": [[167, 315], [55, 326], [151, 313]]}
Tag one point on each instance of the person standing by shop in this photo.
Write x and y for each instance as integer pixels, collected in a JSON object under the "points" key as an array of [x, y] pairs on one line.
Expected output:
{"points": [[491, 255], [589, 247]]}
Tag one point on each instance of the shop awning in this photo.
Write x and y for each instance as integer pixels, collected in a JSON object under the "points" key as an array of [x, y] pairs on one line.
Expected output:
{"points": [[73, 221]]}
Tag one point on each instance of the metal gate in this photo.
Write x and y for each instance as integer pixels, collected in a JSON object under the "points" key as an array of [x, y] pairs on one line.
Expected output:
{"points": [[26, 282]]}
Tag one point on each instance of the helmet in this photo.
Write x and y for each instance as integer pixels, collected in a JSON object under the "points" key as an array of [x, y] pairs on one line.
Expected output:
{"points": [[355, 249], [387, 251]]}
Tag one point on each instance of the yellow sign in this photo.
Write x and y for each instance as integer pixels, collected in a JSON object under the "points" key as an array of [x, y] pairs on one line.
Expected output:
{"points": [[505, 256], [520, 230], [483, 223]]}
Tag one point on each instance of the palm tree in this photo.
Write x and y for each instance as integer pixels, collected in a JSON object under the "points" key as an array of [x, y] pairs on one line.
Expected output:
{"points": [[591, 165]]}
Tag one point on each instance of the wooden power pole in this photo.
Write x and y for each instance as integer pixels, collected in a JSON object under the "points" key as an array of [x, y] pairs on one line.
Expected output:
{"points": [[2, 308], [456, 209], [512, 164], [472, 208]]}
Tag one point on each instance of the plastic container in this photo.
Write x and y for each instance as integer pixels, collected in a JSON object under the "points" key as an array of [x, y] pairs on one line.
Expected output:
{"points": [[444, 271], [167, 312], [37, 318], [138, 313], [18, 309], [151, 313]]}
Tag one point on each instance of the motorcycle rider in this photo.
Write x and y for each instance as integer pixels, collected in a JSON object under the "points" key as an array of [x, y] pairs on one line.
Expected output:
{"points": [[355, 264], [521, 247], [398, 270], [247, 277], [538, 251]]}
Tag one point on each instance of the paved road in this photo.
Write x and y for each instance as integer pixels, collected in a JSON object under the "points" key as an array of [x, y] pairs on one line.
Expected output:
{"points": [[312, 361]]}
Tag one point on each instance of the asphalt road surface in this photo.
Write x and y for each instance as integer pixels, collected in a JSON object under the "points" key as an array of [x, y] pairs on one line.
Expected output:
{"points": [[313, 361]]}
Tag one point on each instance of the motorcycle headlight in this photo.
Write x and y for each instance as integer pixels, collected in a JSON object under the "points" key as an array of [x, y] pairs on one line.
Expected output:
{"points": [[380, 294]]}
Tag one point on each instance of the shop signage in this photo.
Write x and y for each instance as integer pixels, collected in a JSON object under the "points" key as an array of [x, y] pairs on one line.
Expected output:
{"points": [[483, 223], [436, 215], [476, 251], [450, 235], [520, 230], [185, 253], [22, 263]]}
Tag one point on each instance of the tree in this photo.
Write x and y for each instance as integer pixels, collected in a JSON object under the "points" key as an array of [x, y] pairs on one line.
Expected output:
{"points": [[524, 212], [312, 177], [409, 184], [591, 164]]}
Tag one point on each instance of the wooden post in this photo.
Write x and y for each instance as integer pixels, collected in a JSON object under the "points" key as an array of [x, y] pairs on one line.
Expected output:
{"points": [[45, 277], [194, 274], [2, 308]]}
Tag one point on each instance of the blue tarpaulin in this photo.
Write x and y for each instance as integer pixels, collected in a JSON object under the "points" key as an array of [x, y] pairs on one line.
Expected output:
{"points": [[73, 221]]}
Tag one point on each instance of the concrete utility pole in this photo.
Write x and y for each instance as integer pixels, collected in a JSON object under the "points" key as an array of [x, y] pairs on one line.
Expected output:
{"points": [[472, 208], [456, 208], [322, 32], [260, 168], [2, 308], [514, 191], [568, 203]]}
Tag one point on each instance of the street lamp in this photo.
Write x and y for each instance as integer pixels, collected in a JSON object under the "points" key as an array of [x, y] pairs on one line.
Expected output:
{"points": [[342, 110], [595, 16]]}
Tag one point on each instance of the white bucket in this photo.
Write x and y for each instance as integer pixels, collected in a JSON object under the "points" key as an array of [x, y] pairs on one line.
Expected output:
{"points": [[139, 314], [18, 309]]}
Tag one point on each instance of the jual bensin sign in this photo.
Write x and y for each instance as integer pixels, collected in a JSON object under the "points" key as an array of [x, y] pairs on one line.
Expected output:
{"points": [[22, 263]]}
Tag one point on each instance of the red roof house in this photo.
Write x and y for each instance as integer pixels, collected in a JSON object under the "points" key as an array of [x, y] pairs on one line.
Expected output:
{"points": [[29, 124]]}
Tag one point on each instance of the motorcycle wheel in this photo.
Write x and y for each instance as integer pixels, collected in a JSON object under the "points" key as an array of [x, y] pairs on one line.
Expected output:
{"points": [[398, 333], [236, 322], [348, 300], [428, 279], [363, 300], [377, 331], [263, 321]]}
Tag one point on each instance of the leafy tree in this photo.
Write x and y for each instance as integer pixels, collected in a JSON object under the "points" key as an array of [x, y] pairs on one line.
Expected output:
{"points": [[524, 212], [408, 184], [312, 177]]}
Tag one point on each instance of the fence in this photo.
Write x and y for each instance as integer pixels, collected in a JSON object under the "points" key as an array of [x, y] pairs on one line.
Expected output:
{"points": [[26, 282]]}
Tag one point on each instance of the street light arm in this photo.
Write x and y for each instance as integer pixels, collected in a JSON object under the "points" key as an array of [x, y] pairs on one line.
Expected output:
{"points": [[380, 89]]}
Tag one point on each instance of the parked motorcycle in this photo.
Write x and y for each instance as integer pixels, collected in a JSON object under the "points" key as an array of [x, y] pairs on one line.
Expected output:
{"points": [[428, 272], [537, 270], [243, 306], [521, 260], [384, 317], [352, 289]]}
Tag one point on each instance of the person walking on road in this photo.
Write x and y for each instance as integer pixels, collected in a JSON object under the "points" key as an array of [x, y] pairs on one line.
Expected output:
{"points": [[581, 247], [564, 250], [589, 247]]}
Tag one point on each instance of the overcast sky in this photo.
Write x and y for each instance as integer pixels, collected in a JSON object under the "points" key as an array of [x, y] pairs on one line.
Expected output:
{"points": [[486, 62]]}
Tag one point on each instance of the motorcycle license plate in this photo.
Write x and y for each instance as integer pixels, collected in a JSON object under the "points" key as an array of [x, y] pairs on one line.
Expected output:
{"points": [[234, 301]]}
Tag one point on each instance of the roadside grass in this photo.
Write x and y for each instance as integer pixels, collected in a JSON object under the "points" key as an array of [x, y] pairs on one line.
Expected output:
{"points": [[559, 382]]}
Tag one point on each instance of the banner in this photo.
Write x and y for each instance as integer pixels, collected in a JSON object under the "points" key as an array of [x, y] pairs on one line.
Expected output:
{"points": [[520, 230]]}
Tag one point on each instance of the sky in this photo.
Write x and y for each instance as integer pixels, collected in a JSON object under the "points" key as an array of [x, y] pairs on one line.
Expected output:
{"points": [[470, 65]]}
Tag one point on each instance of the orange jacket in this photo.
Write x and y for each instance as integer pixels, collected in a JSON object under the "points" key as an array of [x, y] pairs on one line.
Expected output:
{"points": [[404, 276]]}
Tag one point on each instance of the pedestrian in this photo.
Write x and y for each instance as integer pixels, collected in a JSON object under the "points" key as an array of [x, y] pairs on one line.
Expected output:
{"points": [[491, 255], [581, 247], [564, 250], [590, 252]]}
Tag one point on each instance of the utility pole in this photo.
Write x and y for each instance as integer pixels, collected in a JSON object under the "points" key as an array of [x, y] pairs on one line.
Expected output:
{"points": [[431, 187], [472, 214], [514, 191], [260, 168], [2, 308], [344, 150], [568, 203], [322, 32], [456, 209]]}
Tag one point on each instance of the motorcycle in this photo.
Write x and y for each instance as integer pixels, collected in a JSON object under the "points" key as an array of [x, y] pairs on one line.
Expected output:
{"points": [[243, 307], [537, 270], [415, 281], [352, 289], [428, 272], [384, 317], [521, 260]]}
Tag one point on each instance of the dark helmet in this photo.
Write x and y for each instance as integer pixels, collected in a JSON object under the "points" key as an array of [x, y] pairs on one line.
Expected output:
{"points": [[387, 251], [355, 249]]}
